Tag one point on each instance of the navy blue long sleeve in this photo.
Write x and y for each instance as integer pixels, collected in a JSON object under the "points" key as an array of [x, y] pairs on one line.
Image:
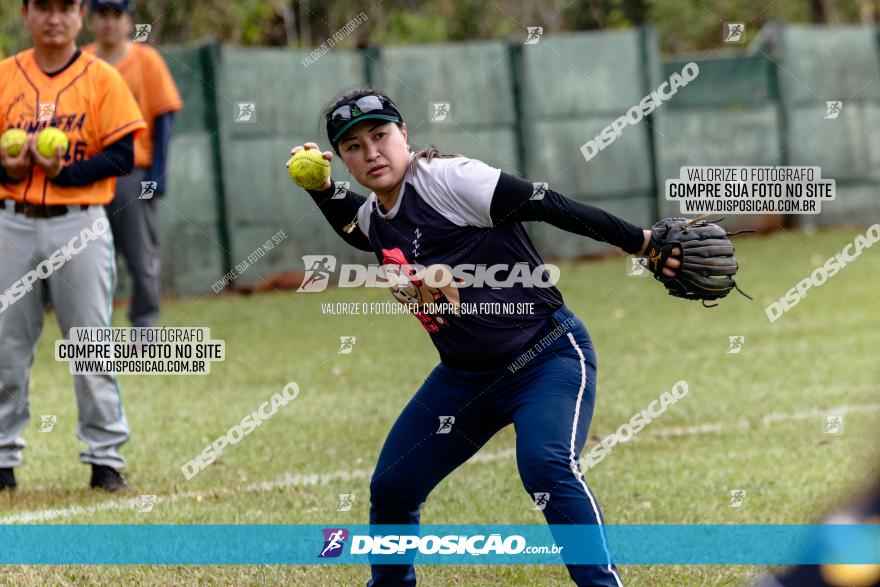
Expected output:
{"points": [[162, 127], [340, 212], [513, 201], [117, 159]]}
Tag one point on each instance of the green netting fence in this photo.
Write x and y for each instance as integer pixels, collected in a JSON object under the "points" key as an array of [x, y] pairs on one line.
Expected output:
{"points": [[524, 108]]}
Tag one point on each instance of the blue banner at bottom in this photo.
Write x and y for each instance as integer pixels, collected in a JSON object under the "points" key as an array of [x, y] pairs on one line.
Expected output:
{"points": [[440, 544]]}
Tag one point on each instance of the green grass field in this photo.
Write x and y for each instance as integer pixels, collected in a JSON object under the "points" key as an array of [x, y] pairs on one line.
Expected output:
{"points": [[751, 421]]}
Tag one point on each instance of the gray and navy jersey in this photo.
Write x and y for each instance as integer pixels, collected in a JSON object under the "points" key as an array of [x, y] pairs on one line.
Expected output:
{"points": [[465, 215]]}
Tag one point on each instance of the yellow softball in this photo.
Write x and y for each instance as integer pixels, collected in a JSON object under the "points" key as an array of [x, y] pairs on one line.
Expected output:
{"points": [[49, 139], [308, 169], [851, 575], [14, 141]]}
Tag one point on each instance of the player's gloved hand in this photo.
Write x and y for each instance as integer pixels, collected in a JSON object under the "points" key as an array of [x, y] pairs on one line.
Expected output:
{"points": [[17, 168], [328, 155], [51, 166], [669, 265], [707, 264]]}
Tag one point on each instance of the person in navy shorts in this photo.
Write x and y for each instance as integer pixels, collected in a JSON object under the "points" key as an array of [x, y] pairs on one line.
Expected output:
{"points": [[535, 369]]}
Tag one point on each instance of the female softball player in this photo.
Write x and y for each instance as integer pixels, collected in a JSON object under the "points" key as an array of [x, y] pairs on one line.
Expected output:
{"points": [[535, 370]]}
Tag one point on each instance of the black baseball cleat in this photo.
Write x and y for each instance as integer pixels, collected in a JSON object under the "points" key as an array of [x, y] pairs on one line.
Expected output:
{"points": [[7, 479], [106, 478]]}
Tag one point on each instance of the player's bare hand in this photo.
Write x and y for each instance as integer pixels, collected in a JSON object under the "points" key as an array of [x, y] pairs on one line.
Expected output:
{"points": [[328, 155], [51, 166], [17, 168]]}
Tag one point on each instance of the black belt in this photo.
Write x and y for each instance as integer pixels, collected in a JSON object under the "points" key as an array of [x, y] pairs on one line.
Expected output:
{"points": [[34, 211]]}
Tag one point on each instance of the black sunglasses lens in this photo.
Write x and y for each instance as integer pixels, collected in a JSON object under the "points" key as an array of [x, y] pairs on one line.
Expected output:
{"points": [[360, 106], [369, 103], [341, 113], [340, 117]]}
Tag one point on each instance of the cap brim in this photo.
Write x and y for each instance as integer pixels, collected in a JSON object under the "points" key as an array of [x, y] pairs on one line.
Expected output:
{"points": [[362, 118], [109, 6]]}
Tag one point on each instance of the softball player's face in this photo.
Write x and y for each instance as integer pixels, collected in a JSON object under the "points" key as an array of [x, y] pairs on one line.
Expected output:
{"points": [[54, 23], [376, 154]]}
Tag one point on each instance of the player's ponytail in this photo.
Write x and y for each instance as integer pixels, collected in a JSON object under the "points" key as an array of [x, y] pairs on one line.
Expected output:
{"points": [[428, 153]]}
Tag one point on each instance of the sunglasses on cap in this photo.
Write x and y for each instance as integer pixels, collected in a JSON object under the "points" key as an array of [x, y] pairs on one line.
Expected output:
{"points": [[363, 108]]}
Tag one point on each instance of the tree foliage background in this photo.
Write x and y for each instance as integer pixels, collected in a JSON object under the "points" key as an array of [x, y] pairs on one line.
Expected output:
{"points": [[683, 25]]}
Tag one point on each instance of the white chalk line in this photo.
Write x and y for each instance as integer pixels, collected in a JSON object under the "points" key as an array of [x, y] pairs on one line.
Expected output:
{"points": [[287, 480], [766, 421], [313, 479]]}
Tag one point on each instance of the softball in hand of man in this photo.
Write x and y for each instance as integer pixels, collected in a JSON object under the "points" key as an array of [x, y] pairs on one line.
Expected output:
{"points": [[49, 140], [14, 140], [309, 169]]}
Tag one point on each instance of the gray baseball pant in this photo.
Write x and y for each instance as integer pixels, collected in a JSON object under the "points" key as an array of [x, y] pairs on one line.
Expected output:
{"points": [[134, 232], [81, 293]]}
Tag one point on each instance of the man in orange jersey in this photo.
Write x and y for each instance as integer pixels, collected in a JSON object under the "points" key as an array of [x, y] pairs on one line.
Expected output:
{"points": [[55, 240], [132, 212]]}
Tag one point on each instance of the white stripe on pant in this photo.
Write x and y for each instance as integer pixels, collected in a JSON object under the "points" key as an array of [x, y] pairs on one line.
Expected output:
{"points": [[575, 468]]}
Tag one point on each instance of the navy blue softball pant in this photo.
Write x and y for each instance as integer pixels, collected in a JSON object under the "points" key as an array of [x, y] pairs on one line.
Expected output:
{"points": [[549, 401]]}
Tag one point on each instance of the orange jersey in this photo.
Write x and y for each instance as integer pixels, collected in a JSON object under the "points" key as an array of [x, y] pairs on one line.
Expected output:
{"points": [[154, 89], [89, 101]]}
